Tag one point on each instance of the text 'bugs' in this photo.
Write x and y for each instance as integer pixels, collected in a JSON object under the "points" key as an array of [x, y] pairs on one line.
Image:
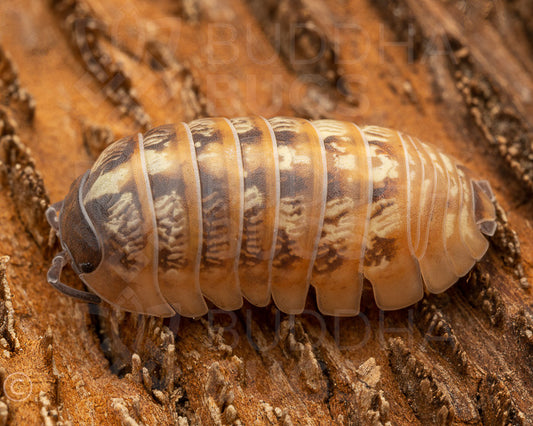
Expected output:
{"points": [[222, 209]]}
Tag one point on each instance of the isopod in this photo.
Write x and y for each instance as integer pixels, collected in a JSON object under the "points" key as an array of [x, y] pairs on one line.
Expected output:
{"points": [[225, 208]]}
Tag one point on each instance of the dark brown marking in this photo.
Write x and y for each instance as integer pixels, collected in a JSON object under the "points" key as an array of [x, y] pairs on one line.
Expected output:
{"points": [[387, 191], [252, 136], [286, 137], [284, 257], [215, 226], [328, 261], [203, 140], [382, 248], [380, 209]]}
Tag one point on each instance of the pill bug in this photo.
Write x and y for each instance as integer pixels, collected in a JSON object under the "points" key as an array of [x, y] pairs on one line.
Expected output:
{"points": [[222, 209]]}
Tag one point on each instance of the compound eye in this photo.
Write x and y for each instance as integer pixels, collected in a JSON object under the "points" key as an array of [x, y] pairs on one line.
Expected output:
{"points": [[87, 267]]}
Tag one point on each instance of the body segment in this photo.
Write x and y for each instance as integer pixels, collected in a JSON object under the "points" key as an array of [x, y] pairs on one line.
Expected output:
{"points": [[222, 209]]}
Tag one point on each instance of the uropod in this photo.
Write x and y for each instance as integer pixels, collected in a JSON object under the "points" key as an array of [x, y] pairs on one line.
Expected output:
{"points": [[222, 209]]}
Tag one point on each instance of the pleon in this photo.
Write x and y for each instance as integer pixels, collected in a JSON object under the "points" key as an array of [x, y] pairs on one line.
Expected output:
{"points": [[303, 190], [473, 238], [415, 170], [261, 207], [221, 181], [389, 264], [175, 182], [456, 249], [436, 266], [338, 269], [427, 197]]}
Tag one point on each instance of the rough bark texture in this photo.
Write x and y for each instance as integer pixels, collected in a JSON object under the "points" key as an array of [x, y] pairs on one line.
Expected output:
{"points": [[77, 74]]}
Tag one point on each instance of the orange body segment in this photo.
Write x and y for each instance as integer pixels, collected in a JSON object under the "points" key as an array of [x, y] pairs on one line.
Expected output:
{"points": [[436, 266], [221, 181], [175, 183], [338, 269], [261, 207], [456, 249], [416, 176], [303, 186], [389, 264]]}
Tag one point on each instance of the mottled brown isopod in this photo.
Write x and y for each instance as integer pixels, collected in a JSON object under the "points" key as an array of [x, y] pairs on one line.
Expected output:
{"points": [[222, 209]]}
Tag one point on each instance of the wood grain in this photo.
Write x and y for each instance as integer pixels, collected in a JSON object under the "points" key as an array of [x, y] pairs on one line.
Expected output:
{"points": [[76, 74]]}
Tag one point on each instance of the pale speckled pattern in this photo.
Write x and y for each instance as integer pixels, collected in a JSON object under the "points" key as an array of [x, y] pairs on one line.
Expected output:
{"points": [[222, 209]]}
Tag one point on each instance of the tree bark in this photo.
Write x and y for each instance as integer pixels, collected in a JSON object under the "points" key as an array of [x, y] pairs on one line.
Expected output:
{"points": [[77, 74]]}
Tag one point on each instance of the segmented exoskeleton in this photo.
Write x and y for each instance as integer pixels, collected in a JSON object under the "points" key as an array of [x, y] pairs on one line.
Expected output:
{"points": [[251, 207]]}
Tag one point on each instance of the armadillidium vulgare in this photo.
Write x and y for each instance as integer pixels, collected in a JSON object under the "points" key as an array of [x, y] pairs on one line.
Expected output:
{"points": [[252, 207]]}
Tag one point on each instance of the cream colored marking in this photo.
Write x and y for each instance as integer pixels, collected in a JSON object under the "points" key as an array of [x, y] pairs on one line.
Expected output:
{"points": [[109, 183], [289, 158], [283, 124], [341, 231], [345, 162], [380, 134], [453, 192], [159, 161], [171, 211], [295, 225], [253, 199], [388, 168], [129, 238]]}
